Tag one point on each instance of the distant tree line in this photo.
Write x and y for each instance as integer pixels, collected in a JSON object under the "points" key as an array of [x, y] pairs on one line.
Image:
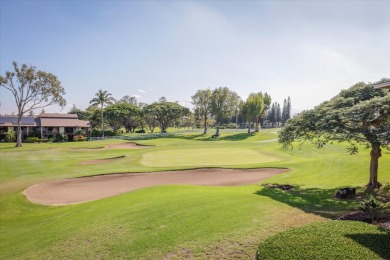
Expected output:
{"points": [[276, 116], [219, 108]]}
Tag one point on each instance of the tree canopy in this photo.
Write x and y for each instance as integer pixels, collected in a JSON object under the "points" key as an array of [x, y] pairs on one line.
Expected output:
{"points": [[224, 103], [122, 115], [202, 105], [358, 115], [165, 113], [256, 103], [32, 89], [102, 98]]}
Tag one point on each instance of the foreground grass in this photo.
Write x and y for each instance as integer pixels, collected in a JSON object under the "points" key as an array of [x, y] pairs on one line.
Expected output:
{"points": [[329, 240], [171, 221]]}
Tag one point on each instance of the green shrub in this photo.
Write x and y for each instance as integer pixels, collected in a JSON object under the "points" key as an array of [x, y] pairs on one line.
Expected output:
{"points": [[10, 136], [372, 206], [385, 189], [43, 140], [79, 138], [328, 240], [231, 126], [98, 133], [80, 132], [61, 138], [32, 139]]}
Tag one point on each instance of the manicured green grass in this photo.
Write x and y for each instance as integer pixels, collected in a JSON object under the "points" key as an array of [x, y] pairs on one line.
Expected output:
{"points": [[171, 221], [329, 240], [202, 157]]}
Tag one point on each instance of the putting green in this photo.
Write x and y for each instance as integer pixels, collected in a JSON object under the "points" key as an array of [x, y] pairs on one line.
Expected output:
{"points": [[204, 157]]}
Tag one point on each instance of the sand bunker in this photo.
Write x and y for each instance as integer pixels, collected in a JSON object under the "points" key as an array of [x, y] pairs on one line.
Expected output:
{"points": [[70, 191], [115, 146]]}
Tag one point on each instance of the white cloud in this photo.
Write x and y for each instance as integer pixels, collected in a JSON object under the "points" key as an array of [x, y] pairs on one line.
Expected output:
{"points": [[141, 90], [137, 96]]}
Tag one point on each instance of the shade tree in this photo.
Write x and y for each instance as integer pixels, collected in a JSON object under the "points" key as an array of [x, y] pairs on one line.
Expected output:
{"points": [[224, 103], [358, 115], [202, 106], [123, 115], [32, 89], [164, 113], [129, 99]]}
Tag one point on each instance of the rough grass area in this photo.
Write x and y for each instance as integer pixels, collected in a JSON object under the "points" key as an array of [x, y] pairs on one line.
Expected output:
{"points": [[173, 221], [328, 240]]}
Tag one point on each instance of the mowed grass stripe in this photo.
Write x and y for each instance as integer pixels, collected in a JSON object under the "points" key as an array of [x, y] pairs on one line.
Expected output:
{"points": [[201, 157]]}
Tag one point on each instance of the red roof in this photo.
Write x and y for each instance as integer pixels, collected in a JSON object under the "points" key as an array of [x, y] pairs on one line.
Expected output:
{"points": [[56, 115], [64, 122], [46, 119]]}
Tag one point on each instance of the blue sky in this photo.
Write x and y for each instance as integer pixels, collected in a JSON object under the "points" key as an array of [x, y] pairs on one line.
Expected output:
{"points": [[308, 50]]}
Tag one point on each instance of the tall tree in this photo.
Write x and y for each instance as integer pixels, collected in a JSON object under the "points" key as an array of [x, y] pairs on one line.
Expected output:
{"points": [[102, 98], [267, 105], [284, 111], [94, 116], [32, 89], [358, 115], [83, 115], [122, 115], [258, 106], [278, 114], [288, 110], [202, 105], [165, 113], [272, 118], [246, 113], [129, 99], [224, 103]]}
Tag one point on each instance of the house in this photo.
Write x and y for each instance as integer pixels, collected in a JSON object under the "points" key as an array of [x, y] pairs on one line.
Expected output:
{"points": [[46, 125], [383, 85]]}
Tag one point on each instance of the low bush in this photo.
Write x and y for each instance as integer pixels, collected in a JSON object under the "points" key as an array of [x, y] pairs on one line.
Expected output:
{"points": [[10, 136], [43, 140], [60, 138], [328, 240], [98, 133], [79, 138], [372, 206], [32, 139], [231, 126], [385, 189]]}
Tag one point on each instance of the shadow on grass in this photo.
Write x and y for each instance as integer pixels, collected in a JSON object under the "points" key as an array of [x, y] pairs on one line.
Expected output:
{"points": [[208, 137], [378, 243], [236, 137], [311, 200]]}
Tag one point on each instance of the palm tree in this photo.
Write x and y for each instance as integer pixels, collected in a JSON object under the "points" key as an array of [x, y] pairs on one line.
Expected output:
{"points": [[102, 98]]}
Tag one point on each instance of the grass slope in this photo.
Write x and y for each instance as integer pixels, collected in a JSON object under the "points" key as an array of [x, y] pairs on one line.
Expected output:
{"points": [[329, 240], [171, 221]]}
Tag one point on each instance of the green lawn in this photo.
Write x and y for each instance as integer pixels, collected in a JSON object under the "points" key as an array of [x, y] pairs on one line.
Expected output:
{"points": [[174, 221], [329, 240], [202, 157]]}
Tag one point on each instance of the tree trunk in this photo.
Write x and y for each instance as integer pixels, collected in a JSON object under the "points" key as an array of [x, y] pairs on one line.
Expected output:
{"points": [[249, 127], [217, 132], [205, 125], [19, 133], [375, 154], [257, 125], [102, 123]]}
